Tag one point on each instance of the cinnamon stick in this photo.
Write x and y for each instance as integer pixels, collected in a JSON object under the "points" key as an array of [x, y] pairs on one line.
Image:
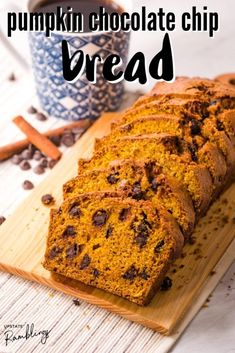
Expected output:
{"points": [[9, 150], [36, 138]]}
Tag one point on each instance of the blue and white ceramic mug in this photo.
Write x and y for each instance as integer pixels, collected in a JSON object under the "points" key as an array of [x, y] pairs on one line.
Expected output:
{"points": [[80, 99]]}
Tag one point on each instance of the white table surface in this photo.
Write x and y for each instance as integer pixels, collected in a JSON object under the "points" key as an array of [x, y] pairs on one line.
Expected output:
{"points": [[86, 328]]}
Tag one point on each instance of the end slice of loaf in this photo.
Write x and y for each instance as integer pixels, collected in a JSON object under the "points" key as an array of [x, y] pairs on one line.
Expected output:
{"points": [[113, 243]]}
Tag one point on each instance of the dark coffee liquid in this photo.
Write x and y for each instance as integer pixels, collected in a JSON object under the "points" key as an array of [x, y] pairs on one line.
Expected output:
{"points": [[85, 7]]}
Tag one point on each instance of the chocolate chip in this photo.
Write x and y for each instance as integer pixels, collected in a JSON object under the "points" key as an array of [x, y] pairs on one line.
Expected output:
{"points": [[12, 77], [109, 232], [141, 239], [69, 232], [32, 110], [85, 262], [178, 145], [220, 125], [41, 117], [44, 163], [201, 88], [195, 127], [138, 194], [159, 246], [39, 169], [100, 218], [2, 220], [16, 159], [131, 273], [56, 140], [72, 251], [24, 165], [113, 178], [96, 272], [96, 246], [55, 251], [192, 240], [52, 163], [68, 140], [32, 148], [27, 154], [27, 185], [166, 284], [37, 156], [193, 151], [214, 102], [232, 81], [75, 211], [47, 199], [144, 274], [154, 184], [123, 214], [76, 302], [141, 229]]}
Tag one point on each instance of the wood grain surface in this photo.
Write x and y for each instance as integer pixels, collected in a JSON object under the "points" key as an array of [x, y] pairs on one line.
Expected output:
{"points": [[23, 240]]}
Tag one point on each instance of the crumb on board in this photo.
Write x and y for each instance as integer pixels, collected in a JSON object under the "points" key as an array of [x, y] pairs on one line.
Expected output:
{"points": [[76, 302]]}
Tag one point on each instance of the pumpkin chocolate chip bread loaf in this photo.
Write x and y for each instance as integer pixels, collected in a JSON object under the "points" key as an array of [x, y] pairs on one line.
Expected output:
{"points": [[141, 181], [113, 243], [153, 176], [167, 151]]}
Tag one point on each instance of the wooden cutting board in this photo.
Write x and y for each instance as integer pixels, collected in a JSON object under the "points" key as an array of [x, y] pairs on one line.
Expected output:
{"points": [[23, 241]]}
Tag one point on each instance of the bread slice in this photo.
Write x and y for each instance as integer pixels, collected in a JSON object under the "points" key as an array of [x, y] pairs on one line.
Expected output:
{"points": [[195, 86], [195, 108], [185, 96], [114, 243], [210, 149], [141, 181], [167, 151]]}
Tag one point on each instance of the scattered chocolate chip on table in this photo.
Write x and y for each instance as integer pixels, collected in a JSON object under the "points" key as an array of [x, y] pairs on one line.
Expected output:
{"points": [[166, 284], [47, 199], [32, 110], [27, 154], [12, 77], [52, 163], [25, 165], [2, 220], [44, 162], [39, 169], [37, 155], [16, 159], [41, 117], [27, 185], [76, 302]]}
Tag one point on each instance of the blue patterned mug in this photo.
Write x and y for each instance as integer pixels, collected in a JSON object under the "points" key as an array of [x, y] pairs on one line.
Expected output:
{"points": [[80, 99]]}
